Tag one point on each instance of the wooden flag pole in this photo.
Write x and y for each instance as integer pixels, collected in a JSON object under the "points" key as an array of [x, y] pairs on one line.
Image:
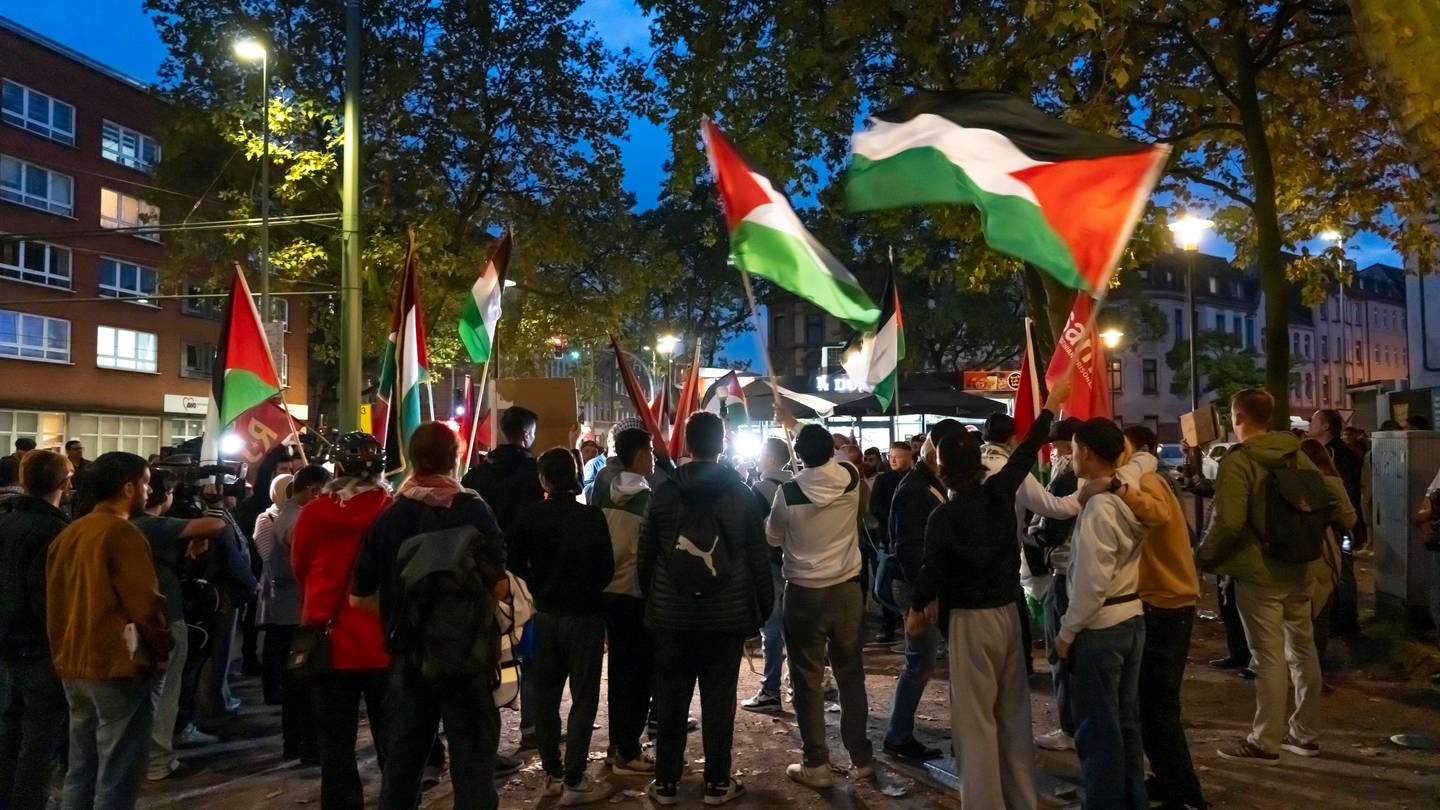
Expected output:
{"points": [[890, 250], [293, 429], [475, 414]]}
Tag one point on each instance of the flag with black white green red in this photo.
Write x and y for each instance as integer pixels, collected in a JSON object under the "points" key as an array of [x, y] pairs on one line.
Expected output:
{"points": [[244, 374], [726, 398], [876, 366], [404, 367], [769, 240], [1059, 197], [481, 311]]}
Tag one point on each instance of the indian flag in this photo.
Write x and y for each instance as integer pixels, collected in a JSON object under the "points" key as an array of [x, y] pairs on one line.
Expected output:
{"points": [[1054, 195], [876, 367], [768, 239], [403, 367], [482, 308]]}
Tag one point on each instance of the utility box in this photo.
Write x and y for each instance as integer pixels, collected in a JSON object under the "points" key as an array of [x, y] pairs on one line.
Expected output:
{"points": [[1402, 465]]}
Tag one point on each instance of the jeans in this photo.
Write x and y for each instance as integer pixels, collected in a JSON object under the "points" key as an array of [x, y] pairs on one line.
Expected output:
{"points": [[1162, 670], [1105, 694], [32, 731], [910, 686], [110, 724], [681, 660], [166, 699], [990, 710], [1277, 622], [823, 623], [567, 647], [335, 697], [629, 673], [1235, 641], [1057, 600], [212, 693], [414, 707], [772, 636]]}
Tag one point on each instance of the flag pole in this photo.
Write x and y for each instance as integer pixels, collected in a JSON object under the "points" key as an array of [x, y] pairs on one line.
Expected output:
{"points": [[890, 250], [764, 350], [289, 417], [475, 414]]}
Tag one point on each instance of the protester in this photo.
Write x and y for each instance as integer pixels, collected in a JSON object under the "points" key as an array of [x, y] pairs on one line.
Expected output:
{"points": [[10, 465], [326, 544], [442, 665], [882, 494], [75, 451], [1273, 595], [602, 468], [561, 548], [273, 663], [1053, 536], [281, 616], [699, 633], [917, 495], [281, 460], [1326, 572], [107, 631], [813, 520], [774, 455], [624, 503], [32, 701]]}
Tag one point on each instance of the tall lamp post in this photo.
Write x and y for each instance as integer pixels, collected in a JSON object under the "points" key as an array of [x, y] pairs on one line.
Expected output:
{"points": [[667, 345], [1339, 240], [252, 50], [1111, 338], [1188, 230]]}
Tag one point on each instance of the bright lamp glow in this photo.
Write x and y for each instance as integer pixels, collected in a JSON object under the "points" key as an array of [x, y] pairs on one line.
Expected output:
{"points": [[231, 444], [459, 410], [1188, 230], [509, 282], [251, 50], [1111, 337], [747, 445], [667, 344], [1330, 236]]}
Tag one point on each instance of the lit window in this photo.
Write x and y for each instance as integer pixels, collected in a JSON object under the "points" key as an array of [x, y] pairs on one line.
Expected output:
{"points": [[197, 359], [34, 337], [1117, 380], [125, 349], [35, 262], [128, 147], [124, 211], [36, 186], [41, 114], [125, 280]]}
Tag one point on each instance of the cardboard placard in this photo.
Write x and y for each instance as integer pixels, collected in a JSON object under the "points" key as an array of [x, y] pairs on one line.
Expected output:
{"points": [[1200, 427], [553, 399]]}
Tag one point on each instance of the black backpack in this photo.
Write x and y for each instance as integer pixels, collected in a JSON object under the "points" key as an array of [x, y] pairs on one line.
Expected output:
{"points": [[699, 563], [445, 620], [1295, 514]]}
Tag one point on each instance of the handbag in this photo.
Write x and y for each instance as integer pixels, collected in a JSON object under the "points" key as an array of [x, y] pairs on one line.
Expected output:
{"points": [[310, 648]]}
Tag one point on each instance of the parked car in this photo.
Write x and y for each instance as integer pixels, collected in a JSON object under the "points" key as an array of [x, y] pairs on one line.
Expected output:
{"points": [[1172, 462], [1210, 461]]}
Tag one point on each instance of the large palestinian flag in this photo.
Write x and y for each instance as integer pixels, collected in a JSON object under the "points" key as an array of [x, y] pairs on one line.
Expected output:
{"points": [[767, 239], [1049, 193], [481, 311], [244, 374], [876, 366], [404, 366]]}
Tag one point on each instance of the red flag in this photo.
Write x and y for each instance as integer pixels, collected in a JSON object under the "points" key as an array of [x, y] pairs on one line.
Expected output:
{"points": [[1078, 346], [686, 404], [1027, 396], [261, 428], [660, 408], [637, 397], [464, 422]]}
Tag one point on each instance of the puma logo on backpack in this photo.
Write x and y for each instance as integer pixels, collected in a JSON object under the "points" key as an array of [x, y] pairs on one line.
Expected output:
{"points": [[699, 563], [707, 557]]}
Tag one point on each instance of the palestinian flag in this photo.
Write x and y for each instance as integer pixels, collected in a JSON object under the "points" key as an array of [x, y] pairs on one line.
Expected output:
{"points": [[404, 366], [1051, 194], [876, 367], [736, 410], [244, 374], [482, 307], [767, 239]]}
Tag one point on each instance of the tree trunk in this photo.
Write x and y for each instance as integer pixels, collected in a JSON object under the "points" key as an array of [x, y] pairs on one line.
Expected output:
{"points": [[1047, 303]]}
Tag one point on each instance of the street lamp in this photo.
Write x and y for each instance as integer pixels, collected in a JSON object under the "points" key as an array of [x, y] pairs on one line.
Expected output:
{"points": [[668, 345], [1339, 240], [252, 50], [1188, 230]]}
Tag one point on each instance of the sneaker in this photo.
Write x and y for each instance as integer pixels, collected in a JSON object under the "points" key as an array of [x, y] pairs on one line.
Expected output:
{"points": [[912, 749], [1246, 751], [763, 702], [817, 777], [1247, 673], [1056, 740], [192, 737], [1300, 749], [863, 773], [586, 792], [430, 777], [504, 766], [162, 770], [643, 765], [554, 786], [665, 794], [722, 792], [1227, 663]]}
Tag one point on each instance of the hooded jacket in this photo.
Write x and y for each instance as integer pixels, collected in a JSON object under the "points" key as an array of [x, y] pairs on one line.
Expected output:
{"points": [[1168, 578], [28, 525], [1232, 545], [624, 499], [322, 555], [918, 494], [508, 480], [737, 607], [814, 521], [1103, 579]]}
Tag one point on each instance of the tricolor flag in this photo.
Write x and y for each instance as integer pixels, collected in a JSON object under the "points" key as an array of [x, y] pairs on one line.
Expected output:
{"points": [[482, 307], [403, 368], [1079, 348], [1054, 195], [244, 375], [767, 239], [736, 410], [876, 366]]}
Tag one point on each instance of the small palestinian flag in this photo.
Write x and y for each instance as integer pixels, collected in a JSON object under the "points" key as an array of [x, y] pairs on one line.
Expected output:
{"points": [[876, 366], [481, 311], [767, 239], [244, 373], [1051, 194], [736, 410]]}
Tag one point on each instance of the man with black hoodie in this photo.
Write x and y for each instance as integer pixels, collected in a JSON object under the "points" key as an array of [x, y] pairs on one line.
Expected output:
{"points": [[701, 637]]}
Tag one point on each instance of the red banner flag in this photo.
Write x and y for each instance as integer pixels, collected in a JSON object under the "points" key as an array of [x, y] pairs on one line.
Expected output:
{"points": [[687, 403], [1079, 346], [261, 428], [637, 398], [1027, 395]]}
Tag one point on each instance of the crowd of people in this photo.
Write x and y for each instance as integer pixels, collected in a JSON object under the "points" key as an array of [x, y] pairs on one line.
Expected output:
{"points": [[439, 602]]}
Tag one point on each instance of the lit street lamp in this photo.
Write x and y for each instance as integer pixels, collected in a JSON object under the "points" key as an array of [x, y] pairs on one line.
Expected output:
{"points": [[252, 50], [1339, 240], [668, 345], [1188, 230]]}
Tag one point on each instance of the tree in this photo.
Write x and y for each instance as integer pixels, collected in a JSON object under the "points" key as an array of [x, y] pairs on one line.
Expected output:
{"points": [[1226, 367]]}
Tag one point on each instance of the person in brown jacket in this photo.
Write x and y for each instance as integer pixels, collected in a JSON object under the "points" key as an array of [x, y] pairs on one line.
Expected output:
{"points": [[108, 636]]}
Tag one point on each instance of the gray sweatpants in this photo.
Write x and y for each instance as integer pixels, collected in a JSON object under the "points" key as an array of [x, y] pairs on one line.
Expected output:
{"points": [[990, 709], [820, 621]]}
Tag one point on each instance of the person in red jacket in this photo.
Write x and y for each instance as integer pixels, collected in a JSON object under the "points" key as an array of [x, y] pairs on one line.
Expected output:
{"points": [[326, 541]]}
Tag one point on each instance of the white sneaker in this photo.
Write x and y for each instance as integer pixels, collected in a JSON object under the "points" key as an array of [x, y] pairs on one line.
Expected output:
{"points": [[162, 770], [817, 777], [643, 765], [585, 793], [192, 737], [1056, 740]]}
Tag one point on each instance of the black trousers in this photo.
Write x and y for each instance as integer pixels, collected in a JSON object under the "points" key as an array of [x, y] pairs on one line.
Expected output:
{"points": [[1230, 614], [1162, 670], [34, 722], [275, 649], [628, 673], [681, 660], [567, 647], [336, 697], [414, 708], [1345, 602], [297, 721], [200, 642]]}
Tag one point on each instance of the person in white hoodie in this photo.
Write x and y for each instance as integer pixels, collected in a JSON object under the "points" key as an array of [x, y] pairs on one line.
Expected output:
{"points": [[815, 523], [624, 497], [1102, 634]]}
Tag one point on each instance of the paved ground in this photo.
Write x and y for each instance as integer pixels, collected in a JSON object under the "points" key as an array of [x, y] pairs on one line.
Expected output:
{"points": [[1381, 689]]}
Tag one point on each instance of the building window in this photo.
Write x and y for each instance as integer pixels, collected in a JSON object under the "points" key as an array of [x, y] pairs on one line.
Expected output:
{"points": [[1377, 354], [41, 114], [1249, 331], [34, 337], [1179, 324], [35, 262], [1219, 322], [814, 329], [1359, 352], [181, 429], [1117, 379], [1325, 388], [199, 307], [1305, 339], [105, 433], [1309, 387], [1149, 376], [126, 349], [1214, 285], [280, 312], [124, 211], [1324, 350], [128, 147], [284, 362], [197, 360], [125, 280], [36, 187], [47, 428]]}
